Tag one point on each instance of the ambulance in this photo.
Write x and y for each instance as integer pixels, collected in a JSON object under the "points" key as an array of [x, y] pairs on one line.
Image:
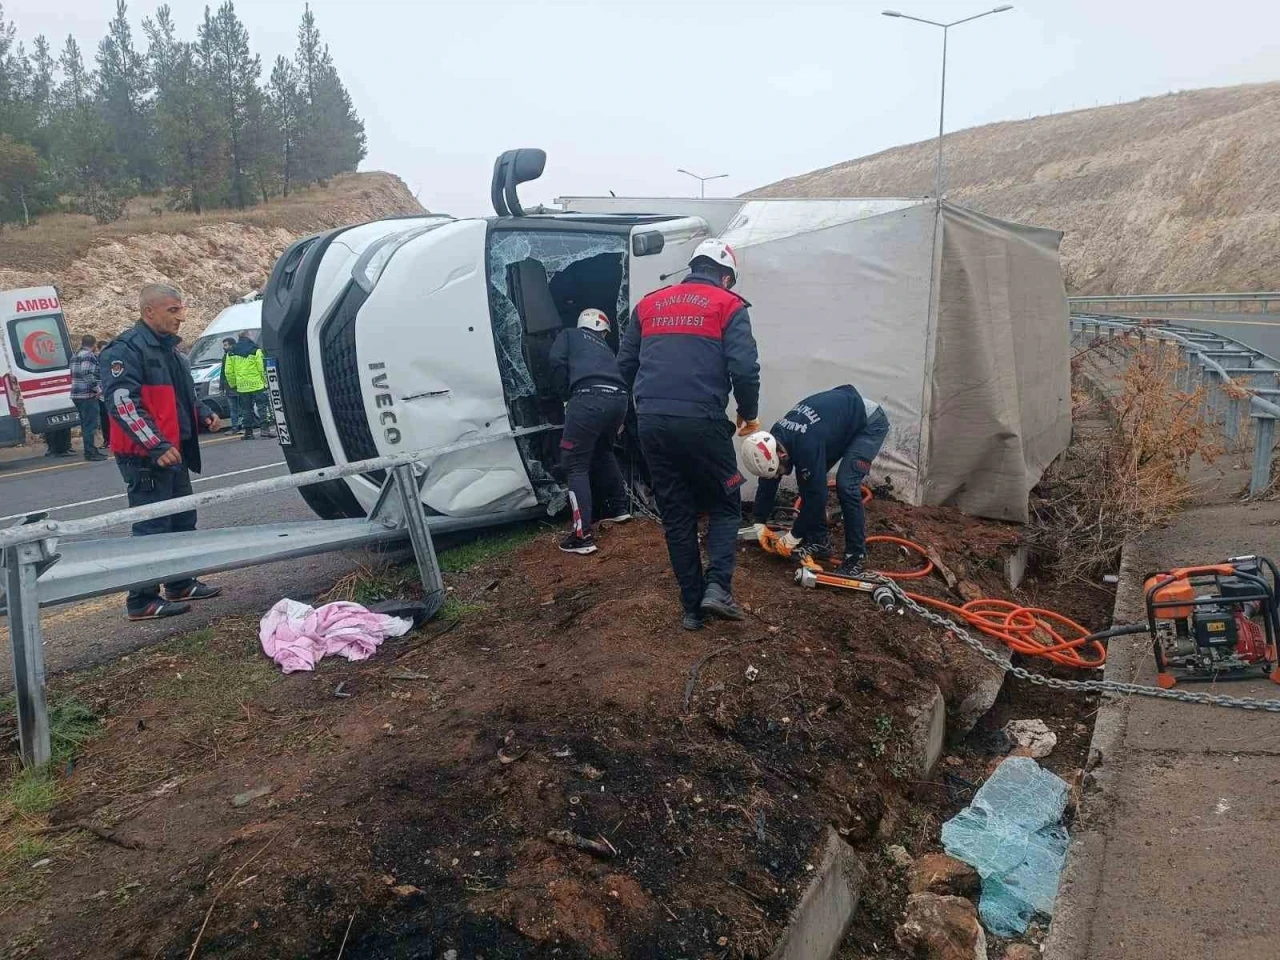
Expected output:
{"points": [[35, 366]]}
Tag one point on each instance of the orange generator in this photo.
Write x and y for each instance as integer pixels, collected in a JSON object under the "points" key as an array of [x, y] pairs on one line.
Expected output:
{"points": [[1216, 622]]}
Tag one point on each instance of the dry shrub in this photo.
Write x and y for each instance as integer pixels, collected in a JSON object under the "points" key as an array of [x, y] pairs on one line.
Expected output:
{"points": [[1126, 470]]}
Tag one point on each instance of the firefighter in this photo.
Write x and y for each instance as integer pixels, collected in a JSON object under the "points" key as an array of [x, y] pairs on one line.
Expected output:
{"points": [[155, 439], [585, 373], [835, 426], [686, 346]]}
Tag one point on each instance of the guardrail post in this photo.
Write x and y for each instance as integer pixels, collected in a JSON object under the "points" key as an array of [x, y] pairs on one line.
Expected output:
{"points": [[424, 551], [1214, 396], [1232, 426], [1264, 435], [27, 646]]}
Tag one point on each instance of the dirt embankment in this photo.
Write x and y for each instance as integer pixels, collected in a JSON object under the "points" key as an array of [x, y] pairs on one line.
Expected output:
{"points": [[1179, 193], [214, 258], [416, 804]]}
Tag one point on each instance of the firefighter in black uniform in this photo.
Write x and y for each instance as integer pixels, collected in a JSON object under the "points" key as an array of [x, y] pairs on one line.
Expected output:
{"points": [[834, 426], [585, 373], [150, 396], [685, 347]]}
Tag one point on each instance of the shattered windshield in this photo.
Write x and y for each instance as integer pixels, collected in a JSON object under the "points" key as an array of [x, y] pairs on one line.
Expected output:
{"points": [[556, 251]]}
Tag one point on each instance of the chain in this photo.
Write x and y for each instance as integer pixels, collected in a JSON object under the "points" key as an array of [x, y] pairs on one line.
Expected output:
{"points": [[1082, 686]]}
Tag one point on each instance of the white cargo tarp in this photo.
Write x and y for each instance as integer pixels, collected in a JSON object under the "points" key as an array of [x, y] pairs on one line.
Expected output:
{"points": [[954, 321]]}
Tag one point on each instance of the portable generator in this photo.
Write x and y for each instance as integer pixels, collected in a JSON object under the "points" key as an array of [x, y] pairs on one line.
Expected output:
{"points": [[1216, 622]]}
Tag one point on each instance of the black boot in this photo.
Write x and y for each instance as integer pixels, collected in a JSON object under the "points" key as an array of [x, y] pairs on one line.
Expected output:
{"points": [[719, 602]]}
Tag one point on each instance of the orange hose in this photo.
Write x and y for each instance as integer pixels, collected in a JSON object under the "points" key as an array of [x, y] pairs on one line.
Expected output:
{"points": [[1029, 631]]}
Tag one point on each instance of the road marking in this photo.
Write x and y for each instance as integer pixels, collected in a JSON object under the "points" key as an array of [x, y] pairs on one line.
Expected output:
{"points": [[120, 496], [1243, 323], [82, 463]]}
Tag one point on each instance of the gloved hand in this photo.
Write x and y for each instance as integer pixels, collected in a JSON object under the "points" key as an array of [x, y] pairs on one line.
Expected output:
{"points": [[779, 545], [747, 427]]}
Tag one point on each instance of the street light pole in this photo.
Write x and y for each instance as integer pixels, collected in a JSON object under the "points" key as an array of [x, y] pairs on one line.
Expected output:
{"points": [[942, 99], [702, 181]]}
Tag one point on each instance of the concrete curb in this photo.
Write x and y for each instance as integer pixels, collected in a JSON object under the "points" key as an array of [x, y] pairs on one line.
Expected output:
{"points": [[820, 921], [1078, 889]]}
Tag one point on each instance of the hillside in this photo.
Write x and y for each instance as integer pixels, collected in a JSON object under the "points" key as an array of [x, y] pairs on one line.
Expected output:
{"points": [[215, 258], [1178, 193]]}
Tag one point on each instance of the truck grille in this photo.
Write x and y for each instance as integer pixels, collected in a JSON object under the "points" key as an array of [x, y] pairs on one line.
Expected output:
{"points": [[342, 379]]}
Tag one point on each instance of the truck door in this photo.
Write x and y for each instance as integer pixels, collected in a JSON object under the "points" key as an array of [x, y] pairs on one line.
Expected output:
{"points": [[660, 252], [39, 352]]}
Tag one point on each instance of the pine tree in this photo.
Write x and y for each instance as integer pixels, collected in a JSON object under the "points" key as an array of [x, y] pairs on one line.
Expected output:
{"points": [[124, 88], [186, 130], [42, 82], [285, 103], [86, 162], [331, 135], [77, 82], [20, 171], [14, 73], [232, 71]]}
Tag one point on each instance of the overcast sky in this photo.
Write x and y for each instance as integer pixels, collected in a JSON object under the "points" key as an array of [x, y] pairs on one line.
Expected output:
{"points": [[622, 92]]}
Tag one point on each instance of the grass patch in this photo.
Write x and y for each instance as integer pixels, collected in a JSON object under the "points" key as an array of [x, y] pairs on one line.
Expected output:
{"points": [[455, 609], [215, 679], [29, 794], [485, 547]]}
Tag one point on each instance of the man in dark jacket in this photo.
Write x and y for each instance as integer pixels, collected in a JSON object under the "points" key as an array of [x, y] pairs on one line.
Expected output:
{"points": [[104, 418], [585, 373], [86, 391], [835, 426], [155, 436], [233, 401], [686, 347]]}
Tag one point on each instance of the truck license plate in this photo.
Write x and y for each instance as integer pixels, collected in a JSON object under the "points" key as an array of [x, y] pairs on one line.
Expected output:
{"points": [[58, 419], [277, 402]]}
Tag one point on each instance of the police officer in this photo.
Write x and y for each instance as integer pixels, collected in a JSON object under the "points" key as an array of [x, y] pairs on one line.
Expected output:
{"points": [[152, 400], [835, 426], [585, 373], [685, 347]]}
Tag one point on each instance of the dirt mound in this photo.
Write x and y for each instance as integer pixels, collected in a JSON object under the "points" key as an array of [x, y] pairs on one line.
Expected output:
{"points": [[214, 258], [440, 796], [1166, 194]]}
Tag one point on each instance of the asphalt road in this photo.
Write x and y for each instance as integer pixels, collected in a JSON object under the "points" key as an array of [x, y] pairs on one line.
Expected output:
{"points": [[90, 631], [1259, 331]]}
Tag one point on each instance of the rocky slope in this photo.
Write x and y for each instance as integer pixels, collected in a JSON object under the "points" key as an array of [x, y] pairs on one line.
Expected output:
{"points": [[215, 258], [1179, 193]]}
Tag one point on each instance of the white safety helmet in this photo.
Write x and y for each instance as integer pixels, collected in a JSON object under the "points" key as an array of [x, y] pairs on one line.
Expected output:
{"points": [[719, 253], [760, 455], [594, 319]]}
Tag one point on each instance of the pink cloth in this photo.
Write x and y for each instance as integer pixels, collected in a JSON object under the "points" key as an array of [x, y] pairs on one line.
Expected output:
{"points": [[297, 636]]}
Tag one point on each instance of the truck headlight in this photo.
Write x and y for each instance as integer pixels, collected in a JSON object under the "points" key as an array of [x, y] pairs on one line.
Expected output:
{"points": [[215, 387], [374, 260]]}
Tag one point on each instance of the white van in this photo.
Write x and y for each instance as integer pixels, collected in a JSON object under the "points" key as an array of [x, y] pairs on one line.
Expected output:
{"points": [[35, 365], [206, 353], [416, 332]]}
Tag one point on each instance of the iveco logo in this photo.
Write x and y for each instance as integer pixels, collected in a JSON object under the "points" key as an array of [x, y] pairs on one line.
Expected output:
{"points": [[382, 398]]}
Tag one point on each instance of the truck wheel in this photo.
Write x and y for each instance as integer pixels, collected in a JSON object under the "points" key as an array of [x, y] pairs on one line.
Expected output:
{"points": [[332, 501]]}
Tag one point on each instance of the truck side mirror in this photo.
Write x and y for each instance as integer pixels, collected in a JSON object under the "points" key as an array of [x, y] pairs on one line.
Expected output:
{"points": [[647, 244], [511, 169]]}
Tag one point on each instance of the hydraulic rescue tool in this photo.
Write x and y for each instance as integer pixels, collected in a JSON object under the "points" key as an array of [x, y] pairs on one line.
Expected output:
{"points": [[1216, 622]]}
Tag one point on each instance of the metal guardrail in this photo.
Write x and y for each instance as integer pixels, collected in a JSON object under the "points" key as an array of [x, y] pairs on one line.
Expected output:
{"points": [[1136, 301], [1201, 370], [40, 570]]}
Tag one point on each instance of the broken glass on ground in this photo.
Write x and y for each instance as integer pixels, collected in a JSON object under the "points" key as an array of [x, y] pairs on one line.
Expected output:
{"points": [[1012, 835]]}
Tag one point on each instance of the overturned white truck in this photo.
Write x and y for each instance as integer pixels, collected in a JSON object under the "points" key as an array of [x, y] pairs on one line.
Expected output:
{"points": [[409, 333]]}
